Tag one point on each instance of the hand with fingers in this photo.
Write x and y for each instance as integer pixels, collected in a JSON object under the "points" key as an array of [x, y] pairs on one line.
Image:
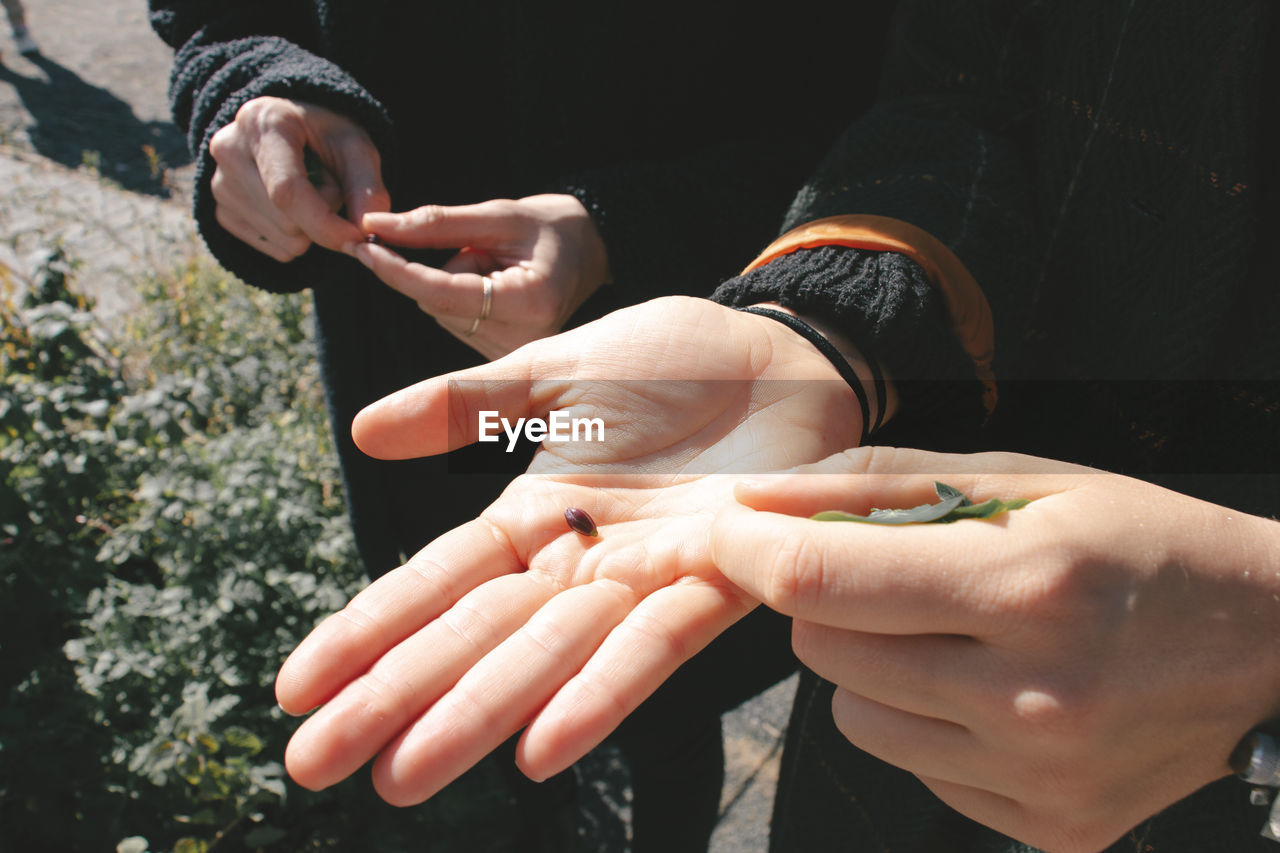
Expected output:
{"points": [[517, 621], [532, 262], [1059, 673], [285, 170]]}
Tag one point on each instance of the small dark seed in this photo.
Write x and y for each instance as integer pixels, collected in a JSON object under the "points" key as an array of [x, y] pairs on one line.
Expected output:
{"points": [[580, 522], [373, 238]]}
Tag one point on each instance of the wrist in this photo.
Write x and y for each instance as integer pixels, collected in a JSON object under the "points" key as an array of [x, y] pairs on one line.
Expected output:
{"points": [[875, 395], [862, 365]]}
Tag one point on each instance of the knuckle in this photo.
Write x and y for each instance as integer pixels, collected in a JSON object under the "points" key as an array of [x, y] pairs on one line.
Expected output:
{"points": [[218, 185], [222, 142], [381, 696], [798, 576], [252, 108], [427, 216], [263, 110], [1056, 588], [1062, 716], [223, 216], [506, 207], [293, 229], [659, 635], [469, 625], [283, 190], [295, 246], [548, 638]]}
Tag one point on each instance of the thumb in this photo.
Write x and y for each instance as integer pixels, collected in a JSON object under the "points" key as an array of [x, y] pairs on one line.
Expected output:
{"points": [[435, 226], [360, 171], [443, 413], [866, 478]]}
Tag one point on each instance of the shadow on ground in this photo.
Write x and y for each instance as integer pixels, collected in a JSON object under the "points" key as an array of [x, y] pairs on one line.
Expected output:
{"points": [[76, 123]]}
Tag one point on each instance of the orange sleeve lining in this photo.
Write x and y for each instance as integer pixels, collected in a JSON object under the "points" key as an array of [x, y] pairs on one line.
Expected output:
{"points": [[966, 304]]}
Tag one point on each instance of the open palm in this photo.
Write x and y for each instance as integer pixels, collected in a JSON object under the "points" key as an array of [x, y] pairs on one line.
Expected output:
{"points": [[515, 621]]}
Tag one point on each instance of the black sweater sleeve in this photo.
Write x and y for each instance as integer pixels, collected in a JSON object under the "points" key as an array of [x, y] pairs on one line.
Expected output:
{"points": [[944, 150], [886, 306], [226, 54]]}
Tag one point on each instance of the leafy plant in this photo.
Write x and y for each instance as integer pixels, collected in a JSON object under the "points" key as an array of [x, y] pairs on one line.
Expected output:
{"points": [[142, 485], [172, 523]]}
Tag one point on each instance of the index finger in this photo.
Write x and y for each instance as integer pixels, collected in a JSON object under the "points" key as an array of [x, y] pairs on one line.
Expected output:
{"points": [[436, 226], [284, 176], [347, 643]]}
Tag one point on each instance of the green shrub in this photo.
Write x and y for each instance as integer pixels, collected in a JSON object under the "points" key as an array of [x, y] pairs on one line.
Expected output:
{"points": [[171, 525]]}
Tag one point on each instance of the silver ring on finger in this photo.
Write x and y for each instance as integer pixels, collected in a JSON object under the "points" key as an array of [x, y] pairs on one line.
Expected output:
{"points": [[485, 306]]}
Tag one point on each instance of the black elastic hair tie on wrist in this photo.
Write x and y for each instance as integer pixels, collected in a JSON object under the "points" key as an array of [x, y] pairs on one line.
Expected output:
{"points": [[839, 362]]}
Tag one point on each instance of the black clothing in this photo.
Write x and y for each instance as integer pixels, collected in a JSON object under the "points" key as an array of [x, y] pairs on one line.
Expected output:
{"points": [[1104, 169], [1096, 168]]}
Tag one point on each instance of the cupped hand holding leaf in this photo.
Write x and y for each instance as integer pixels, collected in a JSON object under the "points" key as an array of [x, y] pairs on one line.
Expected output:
{"points": [[514, 620], [1059, 673]]}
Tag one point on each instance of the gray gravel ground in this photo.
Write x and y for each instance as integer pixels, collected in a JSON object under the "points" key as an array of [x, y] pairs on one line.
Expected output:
{"points": [[89, 157]]}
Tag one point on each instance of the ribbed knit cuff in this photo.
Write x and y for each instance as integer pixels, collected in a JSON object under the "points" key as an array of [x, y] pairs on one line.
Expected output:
{"points": [[884, 301]]}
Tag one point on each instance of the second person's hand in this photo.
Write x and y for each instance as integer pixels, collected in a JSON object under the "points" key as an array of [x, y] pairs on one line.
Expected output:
{"points": [[542, 257], [262, 190], [1060, 672], [514, 619]]}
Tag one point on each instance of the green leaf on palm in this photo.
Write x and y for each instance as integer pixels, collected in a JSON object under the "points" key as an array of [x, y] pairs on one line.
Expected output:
{"points": [[952, 505]]}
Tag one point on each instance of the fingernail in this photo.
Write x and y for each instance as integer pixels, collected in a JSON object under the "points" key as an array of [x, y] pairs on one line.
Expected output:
{"points": [[286, 712]]}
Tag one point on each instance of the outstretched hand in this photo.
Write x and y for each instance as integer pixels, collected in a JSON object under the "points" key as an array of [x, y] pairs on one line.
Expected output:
{"points": [[542, 254], [1059, 673], [268, 195], [515, 621]]}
